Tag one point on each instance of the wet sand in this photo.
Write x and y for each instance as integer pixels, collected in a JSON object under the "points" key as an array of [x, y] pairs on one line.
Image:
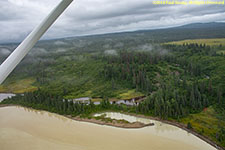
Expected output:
{"points": [[114, 123], [23, 129]]}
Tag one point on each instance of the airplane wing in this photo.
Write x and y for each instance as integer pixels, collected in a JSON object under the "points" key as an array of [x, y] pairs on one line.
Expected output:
{"points": [[21, 51]]}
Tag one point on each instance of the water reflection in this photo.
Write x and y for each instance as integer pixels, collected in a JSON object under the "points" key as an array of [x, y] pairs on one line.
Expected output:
{"points": [[45, 114]]}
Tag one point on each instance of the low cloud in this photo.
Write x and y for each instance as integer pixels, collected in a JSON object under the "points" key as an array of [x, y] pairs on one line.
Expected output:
{"points": [[38, 52], [4, 52], [60, 50], [110, 52], [146, 47], [60, 43]]}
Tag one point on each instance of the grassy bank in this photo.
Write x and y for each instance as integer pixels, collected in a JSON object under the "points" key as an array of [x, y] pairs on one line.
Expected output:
{"points": [[209, 42]]}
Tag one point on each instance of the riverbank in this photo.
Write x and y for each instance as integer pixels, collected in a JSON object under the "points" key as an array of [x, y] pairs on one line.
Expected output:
{"points": [[181, 126], [114, 123], [8, 105]]}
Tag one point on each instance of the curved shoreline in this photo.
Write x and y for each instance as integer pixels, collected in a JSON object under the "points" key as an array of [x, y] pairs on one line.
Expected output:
{"points": [[173, 123], [181, 126], [111, 122]]}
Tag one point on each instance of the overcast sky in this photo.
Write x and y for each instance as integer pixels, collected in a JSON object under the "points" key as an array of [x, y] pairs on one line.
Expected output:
{"points": [[84, 17]]}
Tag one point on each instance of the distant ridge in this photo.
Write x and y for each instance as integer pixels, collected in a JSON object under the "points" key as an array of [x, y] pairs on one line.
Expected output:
{"points": [[212, 25], [189, 31], [204, 25]]}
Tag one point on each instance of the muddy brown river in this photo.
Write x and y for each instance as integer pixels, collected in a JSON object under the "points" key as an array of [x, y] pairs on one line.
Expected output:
{"points": [[27, 129]]}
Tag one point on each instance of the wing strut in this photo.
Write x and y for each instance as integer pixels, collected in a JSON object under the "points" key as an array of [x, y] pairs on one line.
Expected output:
{"points": [[21, 51]]}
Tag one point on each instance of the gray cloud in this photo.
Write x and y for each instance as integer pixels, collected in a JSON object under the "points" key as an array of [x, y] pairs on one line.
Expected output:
{"points": [[4, 51], [19, 17], [60, 43]]}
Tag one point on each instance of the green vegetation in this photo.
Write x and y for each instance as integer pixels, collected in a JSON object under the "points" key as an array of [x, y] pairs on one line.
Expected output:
{"points": [[209, 123], [18, 86], [130, 94], [209, 42], [105, 119], [183, 81], [189, 126], [71, 79], [42, 100]]}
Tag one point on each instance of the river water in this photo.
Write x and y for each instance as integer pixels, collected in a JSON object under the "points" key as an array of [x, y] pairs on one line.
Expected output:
{"points": [[26, 129]]}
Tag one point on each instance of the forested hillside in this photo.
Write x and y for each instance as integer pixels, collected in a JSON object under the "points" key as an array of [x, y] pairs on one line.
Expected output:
{"points": [[181, 81]]}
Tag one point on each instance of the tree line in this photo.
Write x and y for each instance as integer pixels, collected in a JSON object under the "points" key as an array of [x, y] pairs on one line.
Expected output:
{"points": [[43, 100]]}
